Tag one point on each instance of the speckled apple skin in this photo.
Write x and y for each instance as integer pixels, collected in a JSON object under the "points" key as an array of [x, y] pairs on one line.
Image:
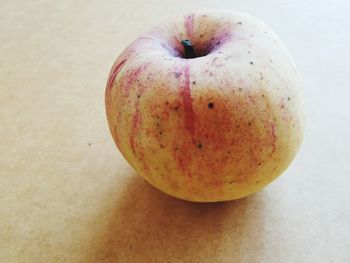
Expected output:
{"points": [[213, 128]]}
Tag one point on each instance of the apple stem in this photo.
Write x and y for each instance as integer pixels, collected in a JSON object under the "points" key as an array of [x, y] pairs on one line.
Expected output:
{"points": [[188, 46]]}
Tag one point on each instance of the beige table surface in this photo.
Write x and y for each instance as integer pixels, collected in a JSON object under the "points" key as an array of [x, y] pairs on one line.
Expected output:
{"points": [[66, 193]]}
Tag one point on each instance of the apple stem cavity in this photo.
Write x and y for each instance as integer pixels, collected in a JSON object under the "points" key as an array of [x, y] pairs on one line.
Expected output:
{"points": [[188, 47]]}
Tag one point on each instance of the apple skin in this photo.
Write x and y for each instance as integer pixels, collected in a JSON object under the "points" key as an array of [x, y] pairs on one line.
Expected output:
{"points": [[217, 127]]}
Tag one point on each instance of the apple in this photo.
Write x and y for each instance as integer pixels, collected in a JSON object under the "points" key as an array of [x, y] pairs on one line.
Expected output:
{"points": [[206, 107]]}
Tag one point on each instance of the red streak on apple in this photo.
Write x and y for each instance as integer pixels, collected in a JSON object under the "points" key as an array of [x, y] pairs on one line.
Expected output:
{"points": [[185, 93], [189, 24], [137, 118], [274, 138], [116, 139], [131, 78], [135, 73], [136, 122], [183, 158], [114, 73], [183, 165]]}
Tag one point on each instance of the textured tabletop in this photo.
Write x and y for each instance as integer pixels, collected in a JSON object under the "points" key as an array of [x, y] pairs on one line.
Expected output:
{"points": [[66, 193]]}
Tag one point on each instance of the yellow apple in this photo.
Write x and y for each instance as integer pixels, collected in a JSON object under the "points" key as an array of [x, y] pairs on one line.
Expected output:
{"points": [[206, 107]]}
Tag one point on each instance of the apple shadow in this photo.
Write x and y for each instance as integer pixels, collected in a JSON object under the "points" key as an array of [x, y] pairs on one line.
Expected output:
{"points": [[145, 225]]}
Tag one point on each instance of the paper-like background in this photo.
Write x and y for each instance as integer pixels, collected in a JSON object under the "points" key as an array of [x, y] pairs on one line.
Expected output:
{"points": [[66, 193]]}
